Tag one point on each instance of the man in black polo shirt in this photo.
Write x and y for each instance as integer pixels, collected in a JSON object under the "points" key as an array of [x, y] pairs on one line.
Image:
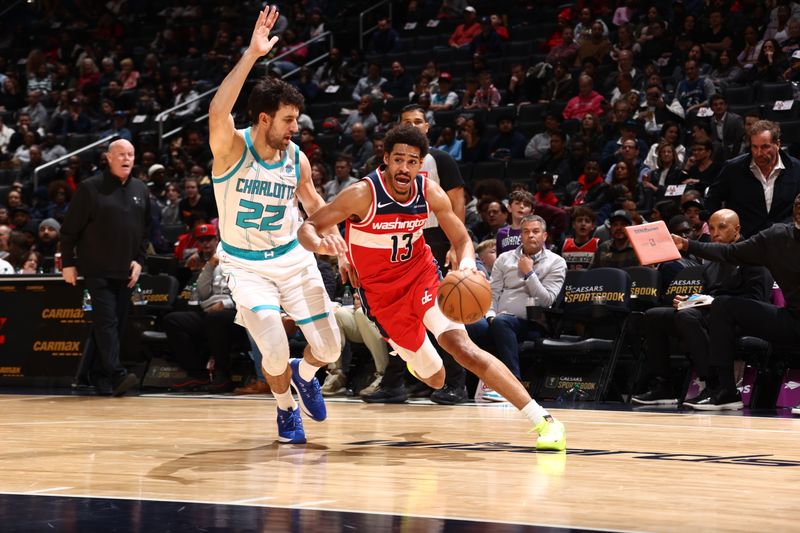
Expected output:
{"points": [[778, 249], [616, 252]]}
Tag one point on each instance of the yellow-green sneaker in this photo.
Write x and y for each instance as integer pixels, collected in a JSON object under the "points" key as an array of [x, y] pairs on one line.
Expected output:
{"points": [[411, 371], [552, 435]]}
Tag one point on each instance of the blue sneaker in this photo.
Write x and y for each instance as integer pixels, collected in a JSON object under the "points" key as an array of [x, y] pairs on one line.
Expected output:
{"points": [[290, 427], [310, 393]]}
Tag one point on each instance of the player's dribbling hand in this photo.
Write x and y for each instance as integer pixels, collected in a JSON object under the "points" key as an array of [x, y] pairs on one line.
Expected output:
{"points": [[331, 244], [260, 42], [348, 273]]}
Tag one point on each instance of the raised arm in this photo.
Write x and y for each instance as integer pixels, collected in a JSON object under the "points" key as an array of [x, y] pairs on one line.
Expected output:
{"points": [[225, 144]]}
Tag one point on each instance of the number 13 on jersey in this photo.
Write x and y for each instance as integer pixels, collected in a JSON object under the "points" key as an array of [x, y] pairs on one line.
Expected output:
{"points": [[397, 256]]}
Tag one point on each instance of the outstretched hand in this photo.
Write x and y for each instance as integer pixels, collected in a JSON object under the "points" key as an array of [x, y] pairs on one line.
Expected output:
{"points": [[260, 42], [680, 243], [348, 273]]}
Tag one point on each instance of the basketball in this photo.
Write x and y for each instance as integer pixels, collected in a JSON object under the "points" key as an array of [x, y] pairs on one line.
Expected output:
{"points": [[464, 296]]}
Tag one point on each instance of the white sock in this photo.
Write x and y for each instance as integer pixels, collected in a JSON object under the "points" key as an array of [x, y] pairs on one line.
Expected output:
{"points": [[534, 412], [307, 371], [285, 400]]}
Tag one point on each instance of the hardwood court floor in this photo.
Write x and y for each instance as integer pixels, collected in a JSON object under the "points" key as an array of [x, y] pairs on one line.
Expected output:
{"points": [[624, 470]]}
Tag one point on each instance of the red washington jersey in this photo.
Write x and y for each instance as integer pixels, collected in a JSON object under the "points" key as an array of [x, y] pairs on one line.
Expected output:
{"points": [[399, 276]]}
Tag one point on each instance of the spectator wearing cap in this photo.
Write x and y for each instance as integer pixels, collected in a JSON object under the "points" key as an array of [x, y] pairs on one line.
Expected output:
{"points": [[509, 143], [465, 32], [156, 180], [119, 126], [691, 208], [443, 97], [48, 237], [20, 216], [617, 251], [792, 73], [197, 337], [206, 237]]}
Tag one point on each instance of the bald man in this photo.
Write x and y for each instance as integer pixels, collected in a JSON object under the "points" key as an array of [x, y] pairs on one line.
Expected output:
{"points": [[107, 225], [778, 249], [691, 326]]}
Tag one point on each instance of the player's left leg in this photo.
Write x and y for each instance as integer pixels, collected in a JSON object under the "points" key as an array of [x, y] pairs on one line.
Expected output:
{"points": [[304, 299], [454, 339]]}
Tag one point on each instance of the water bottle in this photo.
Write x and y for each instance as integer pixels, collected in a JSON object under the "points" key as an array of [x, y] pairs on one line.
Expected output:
{"points": [[194, 299], [87, 301], [138, 296], [347, 297]]}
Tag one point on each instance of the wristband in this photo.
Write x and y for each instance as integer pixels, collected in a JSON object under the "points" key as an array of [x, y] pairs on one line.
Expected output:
{"points": [[526, 276], [467, 263]]}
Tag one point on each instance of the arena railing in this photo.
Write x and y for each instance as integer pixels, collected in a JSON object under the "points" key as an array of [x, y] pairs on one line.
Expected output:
{"points": [[64, 157]]}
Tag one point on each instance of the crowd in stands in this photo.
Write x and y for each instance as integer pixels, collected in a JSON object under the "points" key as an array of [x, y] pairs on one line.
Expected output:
{"points": [[593, 115]]}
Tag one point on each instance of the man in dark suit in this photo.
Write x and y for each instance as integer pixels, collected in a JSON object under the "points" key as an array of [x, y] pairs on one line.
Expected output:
{"points": [[759, 186], [727, 129]]}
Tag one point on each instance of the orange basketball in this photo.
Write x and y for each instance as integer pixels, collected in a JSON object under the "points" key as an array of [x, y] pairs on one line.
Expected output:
{"points": [[464, 296]]}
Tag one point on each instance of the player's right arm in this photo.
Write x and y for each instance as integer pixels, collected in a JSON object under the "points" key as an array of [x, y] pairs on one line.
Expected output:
{"points": [[315, 235], [226, 145]]}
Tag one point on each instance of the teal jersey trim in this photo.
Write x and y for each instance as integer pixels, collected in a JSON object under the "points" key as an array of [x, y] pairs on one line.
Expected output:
{"points": [[266, 307], [311, 319], [255, 155], [259, 255], [233, 171]]}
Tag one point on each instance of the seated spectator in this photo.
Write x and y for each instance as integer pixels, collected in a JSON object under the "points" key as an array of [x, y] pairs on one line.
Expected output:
{"points": [[700, 169], [579, 250], [447, 142], [727, 129], [556, 161], [197, 337], [331, 72], [529, 273], [559, 86], [625, 65], [443, 97], [693, 91], [509, 143], [370, 85], [628, 151], [475, 146], [654, 113], [399, 83], [616, 252], [128, 76], [385, 39], [666, 172], [343, 177], [591, 189], [487, 255], [566, 51], [726, 72], [520, 205], [5, 233], [356, 327], [494, 215], [47, 242], [362, 114], [487, 96], [35, 110], [206, 239], [76, 119], [193, 201], [487, 43], [539, 144], [770, 66], [596, 46], [421, 89], [465, 32], [172, 196], [670, 133], [717, 38], [186, 93], [587, 101], [59, 195], [691, 325], [544, 190], [360, 149]]}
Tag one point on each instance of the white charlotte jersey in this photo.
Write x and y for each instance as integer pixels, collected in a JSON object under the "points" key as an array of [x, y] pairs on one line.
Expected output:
{"points": [[258, 212]]}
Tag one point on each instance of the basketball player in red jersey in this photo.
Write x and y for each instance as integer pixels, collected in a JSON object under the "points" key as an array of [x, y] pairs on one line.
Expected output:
{"points": [[392, 267]]}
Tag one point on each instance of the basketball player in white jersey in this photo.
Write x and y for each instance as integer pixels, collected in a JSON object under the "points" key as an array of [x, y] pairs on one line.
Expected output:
{"points": [[259, 175]]}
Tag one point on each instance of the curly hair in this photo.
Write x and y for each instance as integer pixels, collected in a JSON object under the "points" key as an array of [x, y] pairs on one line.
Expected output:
{"points": [[406, 134]]}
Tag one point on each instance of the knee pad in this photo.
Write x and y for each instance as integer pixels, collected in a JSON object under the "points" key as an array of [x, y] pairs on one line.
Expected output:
{"points": [[270, 337], [324, 338], [425, 361]]}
